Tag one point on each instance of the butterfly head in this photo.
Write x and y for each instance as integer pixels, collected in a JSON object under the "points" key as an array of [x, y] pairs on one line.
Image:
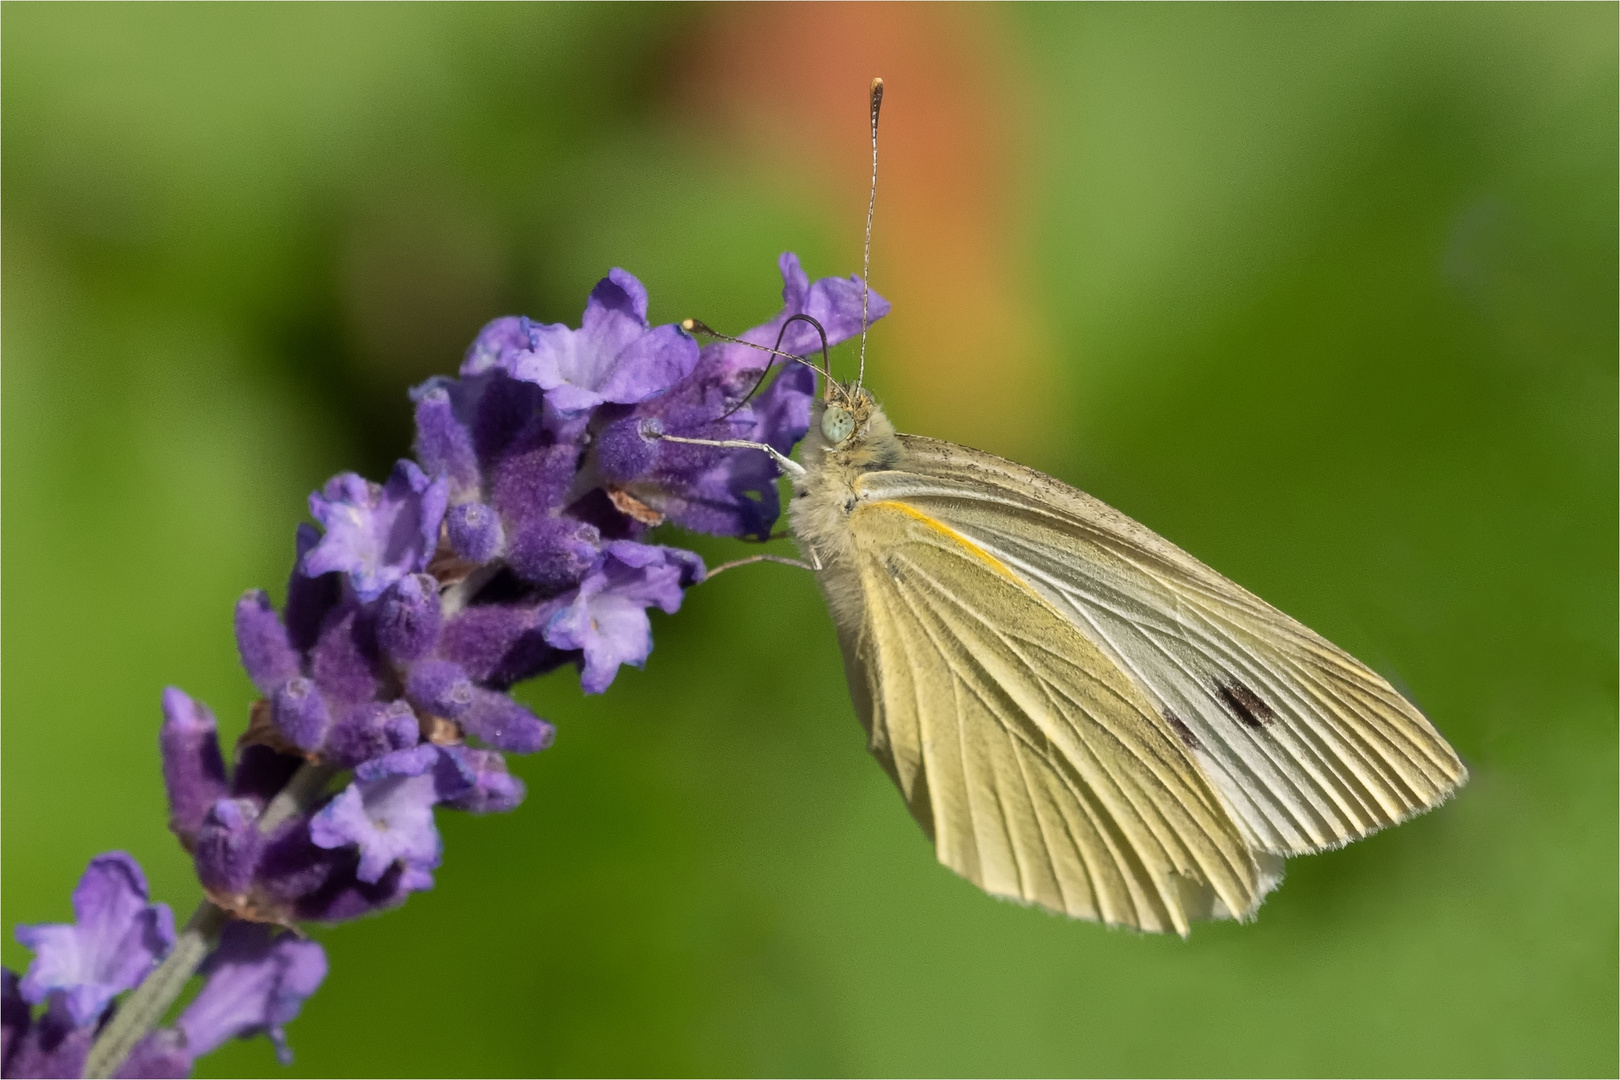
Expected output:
{"points": [[846, 411], [848, 423]]}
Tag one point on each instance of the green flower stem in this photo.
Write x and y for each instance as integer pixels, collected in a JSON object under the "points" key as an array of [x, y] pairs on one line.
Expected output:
{"points": [[150, 1001]]}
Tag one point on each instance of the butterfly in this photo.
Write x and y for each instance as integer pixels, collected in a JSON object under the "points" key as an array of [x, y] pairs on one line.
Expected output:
{"points": [[1078, 713]]}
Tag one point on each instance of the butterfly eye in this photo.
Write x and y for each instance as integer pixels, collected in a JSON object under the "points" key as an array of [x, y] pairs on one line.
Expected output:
{"points": [[837, 424]]}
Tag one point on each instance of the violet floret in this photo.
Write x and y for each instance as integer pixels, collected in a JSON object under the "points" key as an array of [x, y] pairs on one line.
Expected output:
{"points": [[377, 533], [115, 938], [613, 356], [256, 982], [387, 812], [606, 617]]}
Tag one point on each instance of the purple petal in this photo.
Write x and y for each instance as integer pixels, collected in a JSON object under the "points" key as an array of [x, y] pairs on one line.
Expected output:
{"points": [[300, 880], [836, 304], [613, 356], [781, 412], [446, 771], [616, 311], [833, 302], [53, 1046], [377, 534], [256, 983], [193, 769], [649, 365], [494, 789], [115, 939], [495, 344], [15, 1016], [267, 654]]}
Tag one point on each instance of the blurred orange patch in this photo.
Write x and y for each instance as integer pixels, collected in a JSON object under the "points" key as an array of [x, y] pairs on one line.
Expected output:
{"points": [[961, 357]]}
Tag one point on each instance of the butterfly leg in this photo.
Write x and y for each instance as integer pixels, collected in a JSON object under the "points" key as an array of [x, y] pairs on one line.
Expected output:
{"points": [[784, 560], [783, 462]]}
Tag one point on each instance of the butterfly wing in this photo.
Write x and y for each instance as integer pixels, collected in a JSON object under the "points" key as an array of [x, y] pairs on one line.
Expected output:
{"points": [[1039, 768], [1308, 748]]}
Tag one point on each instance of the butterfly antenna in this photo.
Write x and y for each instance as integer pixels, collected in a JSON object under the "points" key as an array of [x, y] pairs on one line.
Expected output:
{"points": [[825, 363], [866, 250], [697, 326]]}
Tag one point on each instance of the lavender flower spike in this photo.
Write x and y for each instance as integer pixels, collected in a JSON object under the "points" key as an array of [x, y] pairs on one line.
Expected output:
{"points": [[539, 470], [377, 533], [115, 939]]}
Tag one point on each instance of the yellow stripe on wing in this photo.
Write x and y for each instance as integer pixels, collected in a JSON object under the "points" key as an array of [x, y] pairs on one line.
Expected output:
{"points": [[951, 534]]}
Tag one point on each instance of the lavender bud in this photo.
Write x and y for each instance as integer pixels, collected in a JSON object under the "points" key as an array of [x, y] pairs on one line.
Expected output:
{"points": [[554, 553], [228, 847], [505, 724], [267, 655], [300, 714], [475, 532], [342, 661], [193, 770], [443, 443], [408, 618], [370, 731], [626, 449], [440, 687]]}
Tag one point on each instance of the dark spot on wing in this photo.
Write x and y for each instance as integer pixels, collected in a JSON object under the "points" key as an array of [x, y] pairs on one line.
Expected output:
{"points": [[1246, 703], [1183, 730], [893, 566]]}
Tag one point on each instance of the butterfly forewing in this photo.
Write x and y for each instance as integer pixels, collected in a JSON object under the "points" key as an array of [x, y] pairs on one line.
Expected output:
{"points": [[1039, 767], [1307, 747]]}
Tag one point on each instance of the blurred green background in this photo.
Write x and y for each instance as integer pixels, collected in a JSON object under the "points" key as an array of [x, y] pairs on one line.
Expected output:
{"points": [[1327, 296]]}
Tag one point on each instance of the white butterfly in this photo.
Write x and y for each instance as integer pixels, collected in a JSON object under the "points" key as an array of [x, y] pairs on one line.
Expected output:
{"points": [[1078, 713]]}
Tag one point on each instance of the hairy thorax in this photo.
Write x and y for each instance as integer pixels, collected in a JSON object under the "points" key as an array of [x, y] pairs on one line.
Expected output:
{"points": [[829, 491]]}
